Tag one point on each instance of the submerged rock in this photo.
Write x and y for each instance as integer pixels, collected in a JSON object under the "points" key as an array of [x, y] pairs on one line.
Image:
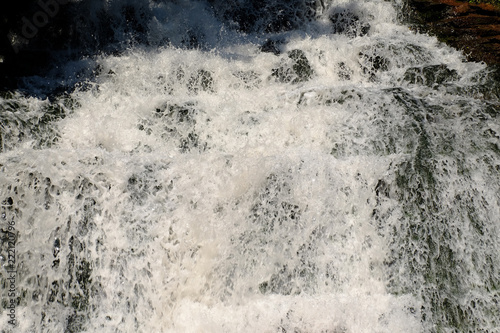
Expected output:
{"points": [[347, 22], [299, 70], [430, 75], [272, 46], [201, 81], [344, 72], [373, 63]]}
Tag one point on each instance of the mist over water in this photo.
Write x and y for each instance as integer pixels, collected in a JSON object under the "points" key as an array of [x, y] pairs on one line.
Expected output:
{"points": [[232, 166]]}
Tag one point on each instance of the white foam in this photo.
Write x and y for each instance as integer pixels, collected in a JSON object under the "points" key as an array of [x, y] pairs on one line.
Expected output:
{"points": [[225, 200]]}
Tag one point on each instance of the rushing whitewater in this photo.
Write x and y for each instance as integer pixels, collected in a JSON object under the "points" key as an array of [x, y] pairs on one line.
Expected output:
{"points": [[300, 166]]}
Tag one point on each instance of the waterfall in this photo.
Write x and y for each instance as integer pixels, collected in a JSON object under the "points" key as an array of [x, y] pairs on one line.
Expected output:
{"points": [[250, 166]]}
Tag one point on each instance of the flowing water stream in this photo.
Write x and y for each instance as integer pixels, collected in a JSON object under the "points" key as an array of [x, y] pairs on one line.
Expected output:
{"points": [[231, 166]]}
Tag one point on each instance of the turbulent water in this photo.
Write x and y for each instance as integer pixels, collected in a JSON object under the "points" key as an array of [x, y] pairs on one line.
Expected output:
{"points": [[230, 166]]}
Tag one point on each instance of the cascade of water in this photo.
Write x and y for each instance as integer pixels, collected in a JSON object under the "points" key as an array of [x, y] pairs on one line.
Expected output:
{"points": [[222, 166]]}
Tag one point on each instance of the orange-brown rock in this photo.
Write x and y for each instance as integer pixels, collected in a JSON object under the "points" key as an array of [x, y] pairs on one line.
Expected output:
{"points": [[472, 28]]}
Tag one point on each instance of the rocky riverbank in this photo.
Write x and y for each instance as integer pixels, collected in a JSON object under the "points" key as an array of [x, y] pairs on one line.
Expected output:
{"points": [[471, 27]]}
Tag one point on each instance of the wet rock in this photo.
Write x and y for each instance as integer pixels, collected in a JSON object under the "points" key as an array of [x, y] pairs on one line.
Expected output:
{"points": [[301, 65], [272, 46], [344, 72], [299, 70], [471, 27], [178, 124], [347, 22], [372, 63], [201, 81], [19, 126], [430, 75]]}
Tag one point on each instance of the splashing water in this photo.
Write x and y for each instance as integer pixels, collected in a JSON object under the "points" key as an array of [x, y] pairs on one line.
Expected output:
{"points": [[293, 166]]}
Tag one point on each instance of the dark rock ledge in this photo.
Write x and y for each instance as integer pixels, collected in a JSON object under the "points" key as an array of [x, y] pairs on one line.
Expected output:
{"points": [[471, 27]]}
